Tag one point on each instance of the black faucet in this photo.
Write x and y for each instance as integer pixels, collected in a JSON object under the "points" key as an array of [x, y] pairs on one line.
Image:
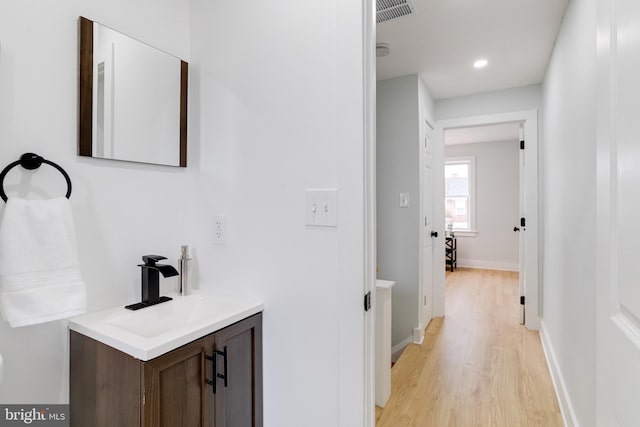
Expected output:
{"points": [[151, 281]]}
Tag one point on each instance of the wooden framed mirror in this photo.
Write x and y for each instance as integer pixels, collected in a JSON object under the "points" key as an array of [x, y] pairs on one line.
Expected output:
{"points": [[133, 99]]}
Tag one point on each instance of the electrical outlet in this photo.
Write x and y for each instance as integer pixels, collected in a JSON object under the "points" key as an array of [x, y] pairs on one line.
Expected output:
{"points": [[220, 230]]}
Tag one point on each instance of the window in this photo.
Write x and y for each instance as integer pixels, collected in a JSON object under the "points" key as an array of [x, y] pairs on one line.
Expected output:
{"points": [[459, 193]]}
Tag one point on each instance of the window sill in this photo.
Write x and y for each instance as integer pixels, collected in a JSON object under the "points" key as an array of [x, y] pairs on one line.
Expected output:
{"points": [[465, 233]]}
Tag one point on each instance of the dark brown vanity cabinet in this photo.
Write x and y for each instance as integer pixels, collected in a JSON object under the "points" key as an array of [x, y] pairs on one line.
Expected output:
{"points": [[110, 388]]}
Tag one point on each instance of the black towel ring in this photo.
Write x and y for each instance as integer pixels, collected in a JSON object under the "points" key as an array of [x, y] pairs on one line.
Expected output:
{"points": [[31, 161]]}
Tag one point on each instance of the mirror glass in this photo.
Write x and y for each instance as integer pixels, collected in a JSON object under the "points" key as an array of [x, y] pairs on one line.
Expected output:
{"points": [[133, 99]]}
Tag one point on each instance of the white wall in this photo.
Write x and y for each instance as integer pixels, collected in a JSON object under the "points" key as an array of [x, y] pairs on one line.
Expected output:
{"points": [[121, 210], [501, 101], [280, 111], [400, 102], [275, 108], [397, 139], [426, 100], [569, 177], [497, 205]]}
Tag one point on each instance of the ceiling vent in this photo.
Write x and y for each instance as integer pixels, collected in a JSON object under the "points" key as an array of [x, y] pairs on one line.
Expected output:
{"points": [[386, 10]]}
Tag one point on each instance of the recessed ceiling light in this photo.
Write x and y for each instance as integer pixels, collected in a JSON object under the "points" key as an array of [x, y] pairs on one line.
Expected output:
{"points": [[480, 63], [383, 49]]}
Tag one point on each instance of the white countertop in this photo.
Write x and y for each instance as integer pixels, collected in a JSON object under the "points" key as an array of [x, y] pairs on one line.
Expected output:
{"points": [[384, 284], [152, 331]]}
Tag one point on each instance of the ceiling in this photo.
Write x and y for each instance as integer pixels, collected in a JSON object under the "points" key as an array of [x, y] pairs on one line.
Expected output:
{"points": [[488, 133], [442, 39]]}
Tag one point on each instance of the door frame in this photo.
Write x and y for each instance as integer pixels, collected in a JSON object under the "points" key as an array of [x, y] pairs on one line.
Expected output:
{"points": [[521, 214], [529, 118], [369, 208]]}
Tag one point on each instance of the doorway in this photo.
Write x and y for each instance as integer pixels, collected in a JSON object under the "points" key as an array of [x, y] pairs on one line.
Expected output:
{"points": [[528, 229], [483, 198]]}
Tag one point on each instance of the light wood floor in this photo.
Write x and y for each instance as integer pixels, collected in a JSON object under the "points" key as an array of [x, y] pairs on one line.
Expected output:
{"points": [[477, 366]]}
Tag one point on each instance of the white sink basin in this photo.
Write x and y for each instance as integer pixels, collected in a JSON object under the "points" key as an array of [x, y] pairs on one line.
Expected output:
{"points": [[175, 314], [152, 331]]}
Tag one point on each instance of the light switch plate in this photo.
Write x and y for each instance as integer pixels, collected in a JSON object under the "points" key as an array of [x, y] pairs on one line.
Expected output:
{"points": [[321, 207], [404, 200], [220, 230]]}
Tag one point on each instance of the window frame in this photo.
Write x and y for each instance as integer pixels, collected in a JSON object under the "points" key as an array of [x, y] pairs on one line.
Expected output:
{"points": [[471, 162]]}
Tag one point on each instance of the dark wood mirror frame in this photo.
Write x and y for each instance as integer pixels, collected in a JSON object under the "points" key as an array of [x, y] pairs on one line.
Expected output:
{"points": [[85, 119]]}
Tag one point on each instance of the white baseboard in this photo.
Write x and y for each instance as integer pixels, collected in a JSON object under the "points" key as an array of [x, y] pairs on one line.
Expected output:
{"points": [[418, 335], [487, 265], [397, 349], [566, 408]]}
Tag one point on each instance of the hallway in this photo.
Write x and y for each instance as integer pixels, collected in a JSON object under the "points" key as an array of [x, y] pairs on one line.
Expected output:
{"points": [[477, 366]]}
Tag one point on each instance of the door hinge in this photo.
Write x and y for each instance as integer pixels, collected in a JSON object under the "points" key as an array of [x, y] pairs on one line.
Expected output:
{"points": [[522, 300], [522, 145], [523, 222], [367, 301]]}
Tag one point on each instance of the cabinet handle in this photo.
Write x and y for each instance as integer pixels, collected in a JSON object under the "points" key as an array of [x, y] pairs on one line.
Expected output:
{"points": [[224, 376], [216, 374], [212, 383]]}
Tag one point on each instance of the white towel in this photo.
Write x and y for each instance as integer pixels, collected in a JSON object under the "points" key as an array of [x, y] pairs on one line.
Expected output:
{"points": [[39, 269]]}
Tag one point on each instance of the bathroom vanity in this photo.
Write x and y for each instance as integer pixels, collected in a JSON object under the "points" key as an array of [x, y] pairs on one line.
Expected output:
{"points": [[193, 361]]}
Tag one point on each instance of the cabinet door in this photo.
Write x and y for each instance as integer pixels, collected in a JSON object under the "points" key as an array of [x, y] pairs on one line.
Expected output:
{"points": [[238, 401], [175, 388]]}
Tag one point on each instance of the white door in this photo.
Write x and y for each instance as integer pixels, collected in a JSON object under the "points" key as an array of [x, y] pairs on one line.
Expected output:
{"points": [[522, 231], [618, 160], [426, 288]]}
